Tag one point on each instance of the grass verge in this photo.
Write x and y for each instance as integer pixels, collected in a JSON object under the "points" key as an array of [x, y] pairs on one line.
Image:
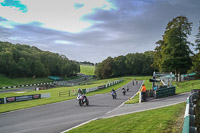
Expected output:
{"points": [[135, 99], [160, 120]]}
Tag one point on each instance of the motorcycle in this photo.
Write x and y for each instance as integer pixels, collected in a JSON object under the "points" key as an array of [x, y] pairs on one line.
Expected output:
{"points": [[82, 100], [127, 89], [114, 95], [123, 91]]}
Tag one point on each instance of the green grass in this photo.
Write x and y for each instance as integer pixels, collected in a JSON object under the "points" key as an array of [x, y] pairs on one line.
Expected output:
{"points": [[135, 99], [87, 69], [55, 94], [186, 86], [152, 121], [6, 81]]}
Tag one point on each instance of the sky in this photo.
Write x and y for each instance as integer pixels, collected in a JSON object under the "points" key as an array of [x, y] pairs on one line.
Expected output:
{"points": [[92, 30]]}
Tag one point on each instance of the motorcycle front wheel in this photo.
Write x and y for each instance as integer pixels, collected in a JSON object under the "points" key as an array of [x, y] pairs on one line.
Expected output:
{"points": [[80, 102]]}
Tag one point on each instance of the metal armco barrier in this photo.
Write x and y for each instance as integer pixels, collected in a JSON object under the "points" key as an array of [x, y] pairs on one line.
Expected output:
{"points": [[165, 92], [103, 86], [189, 118]]}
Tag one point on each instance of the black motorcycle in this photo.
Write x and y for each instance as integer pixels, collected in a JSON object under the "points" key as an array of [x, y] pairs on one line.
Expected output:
{"points": [[123, 91], [127, 89], [114, 94], [83, 100]]}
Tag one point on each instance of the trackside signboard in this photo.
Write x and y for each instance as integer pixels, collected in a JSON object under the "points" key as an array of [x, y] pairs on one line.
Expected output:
{"points": [[23, 98]]}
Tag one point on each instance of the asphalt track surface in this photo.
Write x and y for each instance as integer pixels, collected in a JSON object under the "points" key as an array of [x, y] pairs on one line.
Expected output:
{"points": [[57, 117]]}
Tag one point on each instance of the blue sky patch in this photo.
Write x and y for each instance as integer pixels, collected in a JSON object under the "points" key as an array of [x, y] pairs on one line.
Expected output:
{"points": [[15, 3], [78, 5]]}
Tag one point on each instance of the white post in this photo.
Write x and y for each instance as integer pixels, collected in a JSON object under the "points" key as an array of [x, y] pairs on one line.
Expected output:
{"points": [[140, 97], [170, 79]]}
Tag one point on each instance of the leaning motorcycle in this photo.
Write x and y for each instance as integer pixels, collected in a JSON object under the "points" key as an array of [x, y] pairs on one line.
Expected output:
{"points": [[82, 99], [124, 92], [114, 95]]}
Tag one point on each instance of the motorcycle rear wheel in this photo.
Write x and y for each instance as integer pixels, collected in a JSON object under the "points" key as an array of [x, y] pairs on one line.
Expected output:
{"points": [[87, 102]]}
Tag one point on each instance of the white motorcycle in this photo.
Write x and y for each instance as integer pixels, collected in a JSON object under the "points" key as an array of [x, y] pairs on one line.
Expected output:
{"points": [[82, 100]]}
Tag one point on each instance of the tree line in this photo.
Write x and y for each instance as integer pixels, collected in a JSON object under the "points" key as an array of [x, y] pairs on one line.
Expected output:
{"points": [[86, 63], [172, 54], [131, 64], [26, 61]]}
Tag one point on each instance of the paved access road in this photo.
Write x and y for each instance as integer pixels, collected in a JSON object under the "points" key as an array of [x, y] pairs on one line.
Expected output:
{"points": [[57, 117]]}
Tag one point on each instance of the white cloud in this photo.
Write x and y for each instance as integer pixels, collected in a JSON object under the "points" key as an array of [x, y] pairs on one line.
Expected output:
{"points": [[55, 14]]}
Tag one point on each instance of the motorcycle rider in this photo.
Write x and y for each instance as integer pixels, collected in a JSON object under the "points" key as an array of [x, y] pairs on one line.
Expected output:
{"points": [[82, 96], [123, 91], [127, 88], [113, 93], [80, 92], [113, 90]]}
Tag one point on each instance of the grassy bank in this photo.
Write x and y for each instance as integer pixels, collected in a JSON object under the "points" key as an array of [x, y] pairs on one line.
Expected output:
{"points": [[6, 81], [55, 94], [87, 69], [167, 119], [186, 86]]}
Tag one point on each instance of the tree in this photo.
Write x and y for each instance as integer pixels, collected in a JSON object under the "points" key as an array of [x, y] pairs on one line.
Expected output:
{"points": [[175, 52], [157, 56], [119, 66], [196, 58], [197, 41], [107, 66]]}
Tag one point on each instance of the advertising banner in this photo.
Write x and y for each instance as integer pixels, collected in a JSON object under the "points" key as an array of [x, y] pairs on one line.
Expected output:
{"points": [[22, 98]]}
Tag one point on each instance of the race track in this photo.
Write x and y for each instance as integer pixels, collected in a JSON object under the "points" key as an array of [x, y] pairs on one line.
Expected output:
{"points": [[57, 117]]}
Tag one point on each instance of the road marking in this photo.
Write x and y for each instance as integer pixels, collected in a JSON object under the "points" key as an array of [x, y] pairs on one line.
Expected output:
{"points": [[142, 110]]}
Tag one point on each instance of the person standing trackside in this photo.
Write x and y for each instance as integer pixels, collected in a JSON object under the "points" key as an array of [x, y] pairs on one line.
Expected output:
{"points": [[143, 93]]}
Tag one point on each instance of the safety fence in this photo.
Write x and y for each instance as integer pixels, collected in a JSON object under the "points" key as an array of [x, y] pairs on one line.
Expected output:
{"points": [[74, 91], [189, 118], [36, 84], [102, 86]]}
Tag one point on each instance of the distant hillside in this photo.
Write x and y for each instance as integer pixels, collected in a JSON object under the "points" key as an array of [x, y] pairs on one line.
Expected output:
{"points": [[87, 69], [18, 60]]}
